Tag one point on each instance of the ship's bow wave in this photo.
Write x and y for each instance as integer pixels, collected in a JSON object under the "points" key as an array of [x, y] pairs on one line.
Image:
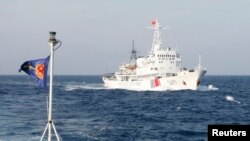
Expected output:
{"points": [[93, 86]]}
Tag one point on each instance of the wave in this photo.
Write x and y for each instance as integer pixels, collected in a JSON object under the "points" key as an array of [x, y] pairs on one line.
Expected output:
{"points": [[207, 88], [100, 86], [93, 86], [230, 98]]}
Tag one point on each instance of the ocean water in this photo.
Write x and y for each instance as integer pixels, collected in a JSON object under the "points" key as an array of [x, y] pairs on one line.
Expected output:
{"points": [[83, 110]]}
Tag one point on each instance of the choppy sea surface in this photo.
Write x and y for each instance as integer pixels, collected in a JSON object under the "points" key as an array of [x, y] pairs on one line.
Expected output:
{"points": [[84, 110]]}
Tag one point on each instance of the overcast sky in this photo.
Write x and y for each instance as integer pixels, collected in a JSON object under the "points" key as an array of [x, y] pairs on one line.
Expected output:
{"points": [[97, 34]]}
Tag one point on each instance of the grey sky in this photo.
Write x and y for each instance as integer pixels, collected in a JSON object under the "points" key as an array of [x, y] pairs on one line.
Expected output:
{"points": [[97, 34]]}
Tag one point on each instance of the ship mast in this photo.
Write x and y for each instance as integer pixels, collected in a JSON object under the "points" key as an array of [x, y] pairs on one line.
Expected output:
{"points": [[157, 36], [133, 56]]}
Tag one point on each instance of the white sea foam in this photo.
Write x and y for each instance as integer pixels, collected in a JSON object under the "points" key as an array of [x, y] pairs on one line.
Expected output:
{"points": [[178, 108], [94, 86], [100, 86], [230, 98], [207, 88]]}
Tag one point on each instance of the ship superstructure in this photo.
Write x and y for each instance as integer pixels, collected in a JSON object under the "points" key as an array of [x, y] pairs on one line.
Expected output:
{"points": [[161, 69]]}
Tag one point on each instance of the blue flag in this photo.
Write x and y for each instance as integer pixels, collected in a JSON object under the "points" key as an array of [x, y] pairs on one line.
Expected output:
{"points": [[37, 69]]}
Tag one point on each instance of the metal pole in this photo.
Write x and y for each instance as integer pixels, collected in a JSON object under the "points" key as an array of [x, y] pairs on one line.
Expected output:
{"points": [[44, 132], [50, 125], [57, 137], [199, 67], [51, 89]]}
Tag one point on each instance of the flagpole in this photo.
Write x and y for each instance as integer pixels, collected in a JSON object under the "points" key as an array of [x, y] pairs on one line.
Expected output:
{"points": [[51, 43], [50, 125]]}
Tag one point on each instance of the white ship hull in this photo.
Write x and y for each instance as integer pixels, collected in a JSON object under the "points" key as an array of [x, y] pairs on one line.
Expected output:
{"points": [[183, 81], [160, 70]]}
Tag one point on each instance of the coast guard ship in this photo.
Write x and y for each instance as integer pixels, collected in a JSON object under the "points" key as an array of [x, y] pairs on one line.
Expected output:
{"points": [[161, 69]]}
